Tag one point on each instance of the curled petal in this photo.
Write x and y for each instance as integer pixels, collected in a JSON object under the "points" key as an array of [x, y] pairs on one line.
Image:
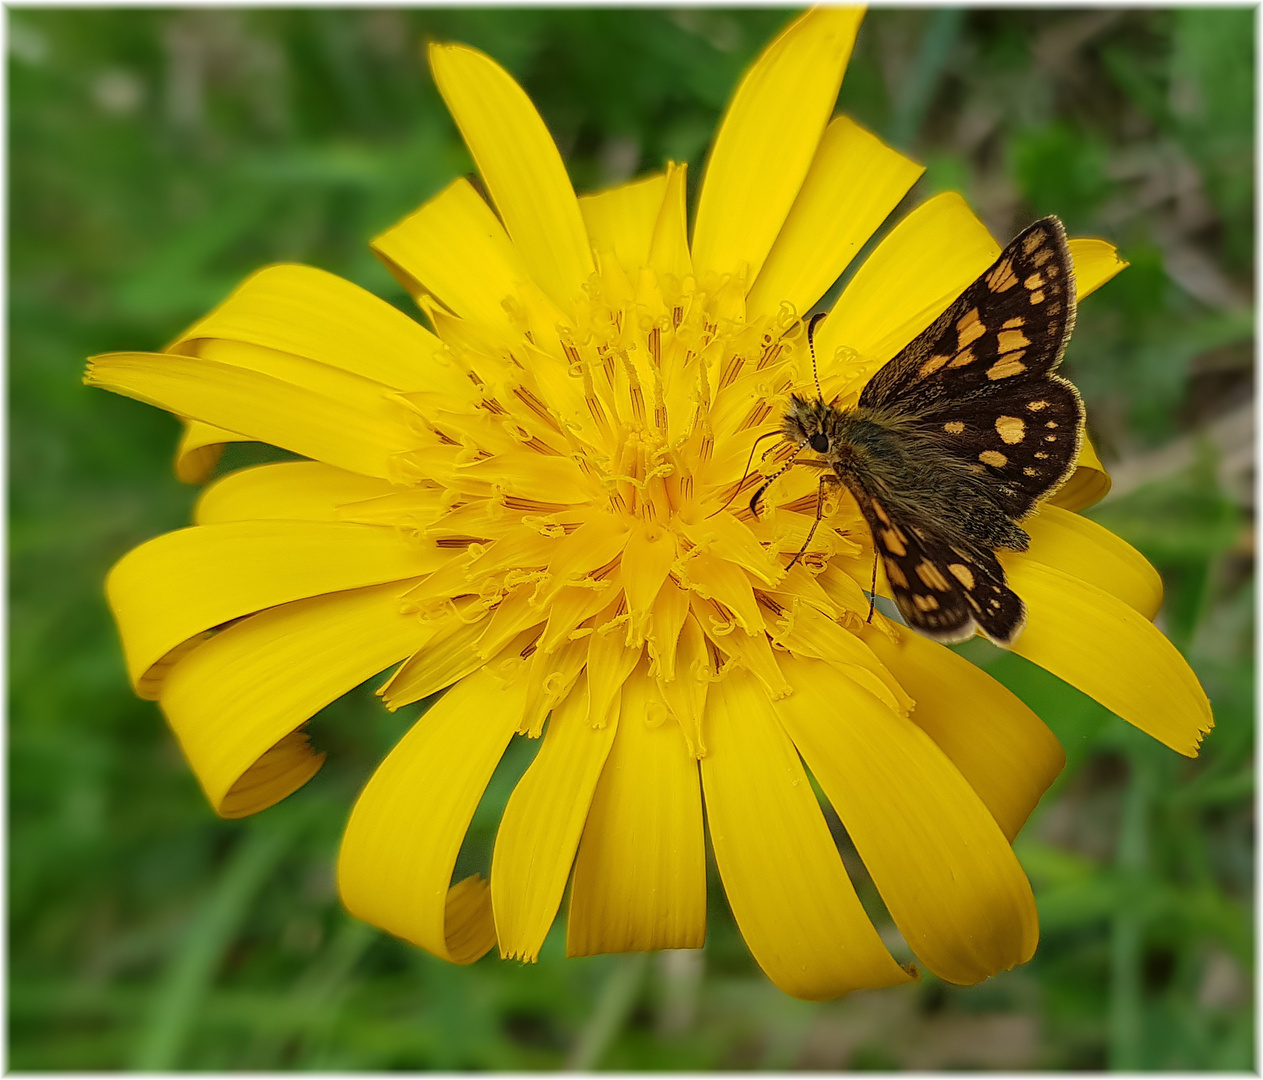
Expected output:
{"points": [[784, 879], [1111, 652], [941, 863], [1006, 752], [1088, 484], [199, 450], [401, 842], [232, 700], [183, 583]]}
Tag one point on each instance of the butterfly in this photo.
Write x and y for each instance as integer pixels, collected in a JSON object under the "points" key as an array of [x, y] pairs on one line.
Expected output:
{"points": [[955, 440]]}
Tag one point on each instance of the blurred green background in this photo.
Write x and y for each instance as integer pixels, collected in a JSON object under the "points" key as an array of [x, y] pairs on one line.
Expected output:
{"points": [[156, 157]]}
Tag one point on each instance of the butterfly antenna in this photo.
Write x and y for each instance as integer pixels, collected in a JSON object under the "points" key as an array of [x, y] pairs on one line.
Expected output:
{"points": [[749, 461], [754, 502], [811, 344]]}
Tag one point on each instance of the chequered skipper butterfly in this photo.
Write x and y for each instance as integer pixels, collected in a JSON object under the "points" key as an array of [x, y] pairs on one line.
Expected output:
{"points": [[956, 439]]}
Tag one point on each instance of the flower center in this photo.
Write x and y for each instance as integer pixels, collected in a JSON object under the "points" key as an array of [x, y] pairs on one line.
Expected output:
{"points": [[593, 493]]}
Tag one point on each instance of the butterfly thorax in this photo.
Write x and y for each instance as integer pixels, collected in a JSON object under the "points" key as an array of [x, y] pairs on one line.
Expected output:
{"points": [[888, 456]]}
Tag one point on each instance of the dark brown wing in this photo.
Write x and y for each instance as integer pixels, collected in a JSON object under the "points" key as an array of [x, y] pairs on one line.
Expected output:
{"points": [[944, 589], [1009, 326], [1026, 434]]}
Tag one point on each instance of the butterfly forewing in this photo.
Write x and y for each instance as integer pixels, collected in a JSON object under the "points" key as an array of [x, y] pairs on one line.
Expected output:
{"points": [[1011, 325]]}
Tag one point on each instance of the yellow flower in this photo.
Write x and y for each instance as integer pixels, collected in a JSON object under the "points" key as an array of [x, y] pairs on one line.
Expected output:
{"points": [[538, 507]]}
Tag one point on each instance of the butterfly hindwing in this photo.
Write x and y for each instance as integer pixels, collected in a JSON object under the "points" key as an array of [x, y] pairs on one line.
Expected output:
{"points": [[1011, 325], [943, 590], [1025, 434]]}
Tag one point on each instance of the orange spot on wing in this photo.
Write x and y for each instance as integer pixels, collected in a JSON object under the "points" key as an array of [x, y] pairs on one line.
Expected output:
{"points": [[1012, 339], [1011, 429], [1007, 366], [932, 576], [1002, 278], [969, 328], [931, 366]]}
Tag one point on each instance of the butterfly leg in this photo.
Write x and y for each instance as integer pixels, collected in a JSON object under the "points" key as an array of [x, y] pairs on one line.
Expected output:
{"points": [[827, 478], [872, 592]]}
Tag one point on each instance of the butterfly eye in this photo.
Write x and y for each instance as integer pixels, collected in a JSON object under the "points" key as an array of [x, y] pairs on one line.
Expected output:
{"points": [[820, 442]]}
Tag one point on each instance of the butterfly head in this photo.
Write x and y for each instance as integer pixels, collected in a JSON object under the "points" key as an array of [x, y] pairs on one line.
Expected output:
{"points": [[810, 424]]}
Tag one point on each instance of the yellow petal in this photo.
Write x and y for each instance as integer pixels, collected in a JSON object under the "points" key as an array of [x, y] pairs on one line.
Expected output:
{"points": [[521, 167], [448, 656], [784, 879], [337, 418], [941, 863], [402, 840], [854, 182], [1090, 552], [767, 140], [610, 663], [566, 610], [640, 876], [807, 632], [683, 683], [542, 823], [235, 697], [926, 261], [1095, 263], [301, 490], [1088, 484], [529, 475], [1006, 752], [182, 583], [1111, 652], [727, 537], [669, 244], [713, 578], [647, 560], [621, 220], [199, 450], [593, 544], [669, 613], [314, 314], [456, 248]]}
